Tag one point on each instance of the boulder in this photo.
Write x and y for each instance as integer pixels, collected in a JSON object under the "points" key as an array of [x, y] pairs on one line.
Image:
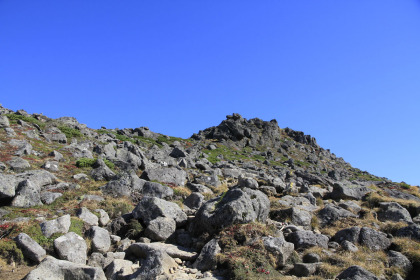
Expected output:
{"points": [[154, 264], [101, 241], [38, 177], [245, 182], [156, 190], [207, 260], [4, 122], [27, 195], [18, 164], [412, 231], [23, 147], [306, 239], [54, 134], [118, 269], [59, 225], [349, 246], [374, 240], [51, 165], [8, 184], [53, 269], [101, 171], [30, 248], [71, 247], [104, 217], [236, 206], [170, 175], [332, 213], [356, 273], [141, 250], [125, 185], [150, 208], [279, 248], [348, 234], [349, 192], [305, 269], [87, 216], [396, 259], [160, 228], [311, 258], [194, 200], [392, 211], [57, 156]]}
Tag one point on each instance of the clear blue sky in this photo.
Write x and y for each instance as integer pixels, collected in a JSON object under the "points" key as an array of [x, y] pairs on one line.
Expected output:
{"points": [[346, 72]]}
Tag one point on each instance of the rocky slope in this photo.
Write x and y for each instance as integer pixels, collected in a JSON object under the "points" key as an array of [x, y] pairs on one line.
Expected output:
{"points": [[242, 200]]}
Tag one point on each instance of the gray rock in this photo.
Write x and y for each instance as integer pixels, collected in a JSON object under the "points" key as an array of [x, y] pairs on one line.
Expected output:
{"points": [[305, 269], [23, 147], [101, 241], [348, 234], [30, 248], [412, 231], [8, 184], [118, 269], [154, 264], [332, 213], [350, 205], [311, 258], [125, 185], [51, 165], [199, 188], [301, 202], [374, 240], [27, 195], [349, 246], [71, 247], [245, 182], [59, 225], [18, 164], [235, 206], [104, 217], [142, 249], [356, 273], [177, 153], [4, 122], [57, 156], [154, 189], [101, 171], [38, 177], [210, 180], [207, 259], [96, 260], [194, 200], [392, 211], [150, 208], [81, 177], [170, 175], [87, 216], [397, 277], [399, 260], [349, 192], [54, 134], [128, 160], [280, 248], [306, 239], [53, 269], [160, 228]]}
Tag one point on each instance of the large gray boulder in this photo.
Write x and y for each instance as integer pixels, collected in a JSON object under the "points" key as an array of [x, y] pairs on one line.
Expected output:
{"points": [[101, 241], [50, 197], [30, 248], [396, 259], [141, 250], [53, 269], [4, 122], [18, 164], [412, 231], [279, 248], [125, 185], [374, 240], [170, 175], [38, 177], [87, 216], [160, 228], [8, 184], [207, 259], [392, 211], [119, 269], [154, 264], [150, 208], [306, 239], [59, 225], [349, 192], [71, 247], [332, 213], [194, 200], [101, 171], [236, 206], [348, 234], [23, 147], [27, 195], [156, 190], [356, 273], [54, 134]]}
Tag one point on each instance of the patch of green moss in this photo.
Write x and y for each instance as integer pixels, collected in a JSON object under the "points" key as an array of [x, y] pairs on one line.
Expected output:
{"points": [[14, 118], [70, 132], [9, 251]]}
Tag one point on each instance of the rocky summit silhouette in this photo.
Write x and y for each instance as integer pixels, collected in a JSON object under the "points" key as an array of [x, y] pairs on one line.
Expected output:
{"points": [[241, 200]]}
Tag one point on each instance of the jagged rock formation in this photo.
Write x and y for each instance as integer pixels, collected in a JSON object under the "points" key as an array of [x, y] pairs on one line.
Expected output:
{"points": [[243, 200]]}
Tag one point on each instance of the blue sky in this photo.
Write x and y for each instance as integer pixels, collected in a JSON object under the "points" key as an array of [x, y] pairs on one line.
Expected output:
{"points": [[346, 72]]}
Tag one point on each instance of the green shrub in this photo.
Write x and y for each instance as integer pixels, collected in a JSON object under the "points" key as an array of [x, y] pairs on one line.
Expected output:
{"points": [[134, 229], [14, 118], [85, 162], [9, 251], [70, 132]]}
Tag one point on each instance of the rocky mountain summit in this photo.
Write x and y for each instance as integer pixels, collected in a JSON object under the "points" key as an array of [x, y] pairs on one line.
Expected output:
{"points": [[241, 200]]}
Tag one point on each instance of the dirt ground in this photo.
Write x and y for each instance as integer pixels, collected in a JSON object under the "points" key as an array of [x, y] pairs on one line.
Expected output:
{"points": [[14, 273]]}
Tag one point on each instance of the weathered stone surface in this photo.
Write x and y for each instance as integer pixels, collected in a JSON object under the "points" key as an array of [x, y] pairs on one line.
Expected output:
{"points": [[165, 175], [412, 231], [194, 200], [356, 273], [57, 156], [349, 234], [306, 239], [101, 241], [156, 190], [104, 217], [27, 195], [30, 248], [18, 164], [150, 208], [8, 184], [207, 258], [101, 171], [160, 228], [305, 269], [392, 211], [38, 177], [87, 216], [399, 260], [332, 213], [55, 134], [53, 269], [374, 240], [59, 225], [154, 264], [349, 192], [23, 147], [311, 258], [4, 122], [141, 250], [71, 247], [125, 185], [349, 246], [51, 165], [245, 182], [279, 248], [236, 206], [117, 269]]}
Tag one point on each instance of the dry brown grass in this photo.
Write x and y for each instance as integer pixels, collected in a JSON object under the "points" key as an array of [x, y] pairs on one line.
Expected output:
{"points": [[373, 199], [409, 247], [368, 221]]}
